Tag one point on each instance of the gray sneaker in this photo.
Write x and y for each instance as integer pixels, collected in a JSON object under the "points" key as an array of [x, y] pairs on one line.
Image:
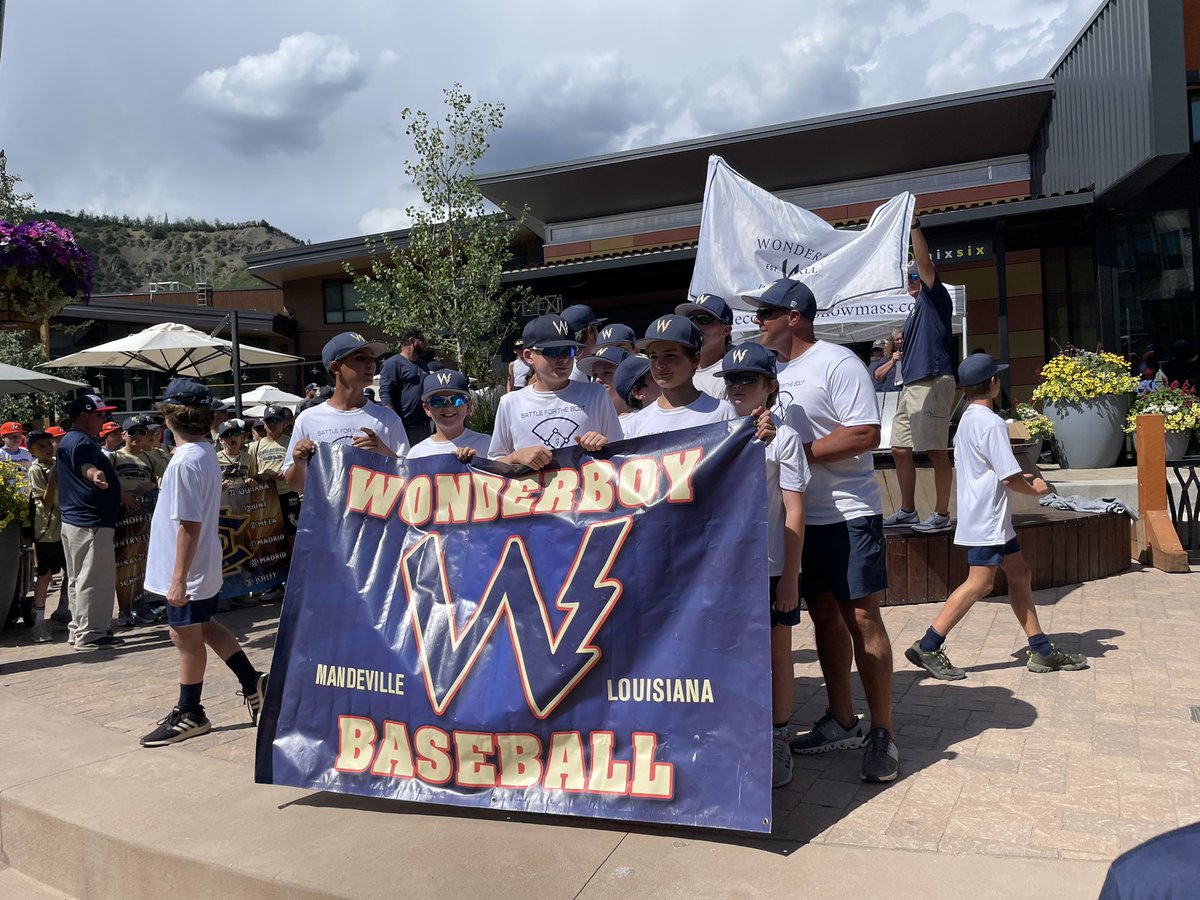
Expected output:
{"points": [[901, 517], [933, 524], [781, 762], [935, 662], [1057, 661], [828, 734], [41, 634]]}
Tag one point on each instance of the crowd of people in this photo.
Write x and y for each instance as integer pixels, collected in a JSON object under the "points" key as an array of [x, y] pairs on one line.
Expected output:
{"points": [[577, 379]]}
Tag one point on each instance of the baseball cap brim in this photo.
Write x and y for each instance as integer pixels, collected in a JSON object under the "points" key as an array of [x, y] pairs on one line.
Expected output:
{"points": [[545, 345], [684, 308], [586, 364], [377, 348], [645, 343], [445, 390], [997, 369]]}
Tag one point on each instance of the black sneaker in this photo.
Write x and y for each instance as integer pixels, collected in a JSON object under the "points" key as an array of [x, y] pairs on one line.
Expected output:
{"points": [[254, 699], [881, 762], [179, 725], [935, 662], [1057, 661], [828, 734]]}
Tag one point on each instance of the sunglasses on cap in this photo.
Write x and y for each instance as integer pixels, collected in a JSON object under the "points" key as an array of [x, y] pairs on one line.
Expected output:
{"points": [[455, 400], [742, 378], [557, 352], [703, 318], [766, 313]]}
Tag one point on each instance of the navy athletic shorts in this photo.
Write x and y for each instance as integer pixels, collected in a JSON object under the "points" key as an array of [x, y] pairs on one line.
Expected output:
{"points": [[777, 618], [846, 559], [194, 612], [992, 555]]}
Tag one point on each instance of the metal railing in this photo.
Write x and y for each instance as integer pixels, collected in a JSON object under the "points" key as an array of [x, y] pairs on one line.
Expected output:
{"points": [[1183, 500]]}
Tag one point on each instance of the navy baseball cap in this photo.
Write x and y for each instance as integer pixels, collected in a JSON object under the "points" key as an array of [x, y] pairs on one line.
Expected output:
{"points": [[445, 381], [338, 348], [631, 370], [707, 303], [312, 386], [785, 294], [134, 422], [609, 353], [580, 317], [548, 331], [88, 403], [978, 368], [274, 412], [34, 436], [675, 329], [229, 425], [186, 392], [749, 357], [616, 334]]}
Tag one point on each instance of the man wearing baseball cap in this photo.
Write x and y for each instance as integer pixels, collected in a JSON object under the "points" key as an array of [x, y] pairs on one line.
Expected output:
{"points": [[348, 417], [90, 501], [826, 395], [712, 315], [584, 325], [883, 367], [12, 434], [400, 381]]}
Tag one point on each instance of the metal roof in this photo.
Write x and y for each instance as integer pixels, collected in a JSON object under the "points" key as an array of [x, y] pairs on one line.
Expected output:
{"points": [[899, 138]]}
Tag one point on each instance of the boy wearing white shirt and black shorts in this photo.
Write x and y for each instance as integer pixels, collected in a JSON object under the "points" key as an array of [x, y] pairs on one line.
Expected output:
{"points": [[183, 565], [987, 471]]}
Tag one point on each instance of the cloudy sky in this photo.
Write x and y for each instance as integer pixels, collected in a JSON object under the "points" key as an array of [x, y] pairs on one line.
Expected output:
{"points": [[289, 111]]}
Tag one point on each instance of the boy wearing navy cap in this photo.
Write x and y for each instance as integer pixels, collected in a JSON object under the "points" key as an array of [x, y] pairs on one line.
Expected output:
{"points": [[620, 335], [584, 327], [347, 417], [184, 565], [446, 399], [748, 374], [235, 462], [712, 315], [987, 471], [555, 411], [600, 368], [633, 384]]}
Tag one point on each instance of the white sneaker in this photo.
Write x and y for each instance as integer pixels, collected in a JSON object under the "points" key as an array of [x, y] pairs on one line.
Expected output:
{"points": [[781, 761], [901, 517], [41, 634], [935, 523]]}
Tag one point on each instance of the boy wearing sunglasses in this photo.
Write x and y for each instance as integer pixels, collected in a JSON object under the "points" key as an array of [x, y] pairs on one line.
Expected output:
{"points": [[235, 461], [748, 374], [712, 315], [555, 411], [446, 398]]}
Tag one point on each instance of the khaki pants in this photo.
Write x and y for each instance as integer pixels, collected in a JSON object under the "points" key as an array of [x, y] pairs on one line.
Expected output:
{"points": [[92, 570], [922, 420]]}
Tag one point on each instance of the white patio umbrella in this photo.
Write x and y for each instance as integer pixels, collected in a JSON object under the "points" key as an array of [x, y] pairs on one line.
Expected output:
{"points": [[15, 380], [269, 395], [172, 349]]}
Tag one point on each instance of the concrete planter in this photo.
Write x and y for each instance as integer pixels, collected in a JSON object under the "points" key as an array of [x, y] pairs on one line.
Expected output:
{"points": [[1176, 444], [1088, 434]]}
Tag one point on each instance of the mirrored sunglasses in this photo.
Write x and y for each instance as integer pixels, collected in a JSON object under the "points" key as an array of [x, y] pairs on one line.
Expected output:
{"points": [[703, 318], [914, 276], [742, 378], [455, 400], [557, 352]]}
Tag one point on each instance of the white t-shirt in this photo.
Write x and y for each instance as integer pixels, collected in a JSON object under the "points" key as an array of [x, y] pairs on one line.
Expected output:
{"points": [[708, 381], [554, 419], [325, 425], [983, 457], [21, 456], [190, 492], [577, 375], [823, 389], [787, 470], [704, 410], [473, 439]]}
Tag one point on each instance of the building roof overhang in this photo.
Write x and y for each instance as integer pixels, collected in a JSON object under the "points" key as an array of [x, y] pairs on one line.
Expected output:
{"points": [[904, 137], [205, 318]]}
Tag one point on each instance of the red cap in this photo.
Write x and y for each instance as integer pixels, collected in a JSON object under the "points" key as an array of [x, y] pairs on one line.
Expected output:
{"points": [[109, 428], [55, 431], [11, 428]]}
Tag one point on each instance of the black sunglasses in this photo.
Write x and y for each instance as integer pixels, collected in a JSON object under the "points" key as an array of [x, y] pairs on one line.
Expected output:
{"points": [[742, 378], [557, 352], [703, 318], [137, 432], [766, 313]]}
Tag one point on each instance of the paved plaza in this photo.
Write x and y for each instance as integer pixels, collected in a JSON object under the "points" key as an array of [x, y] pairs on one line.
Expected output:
{"points": [[1072, 768]]}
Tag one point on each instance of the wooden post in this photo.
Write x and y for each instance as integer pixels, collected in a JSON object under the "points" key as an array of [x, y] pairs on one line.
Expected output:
{"points": [[1160, 545]]}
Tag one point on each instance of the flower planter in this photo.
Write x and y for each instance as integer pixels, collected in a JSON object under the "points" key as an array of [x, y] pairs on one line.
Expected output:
{"points": [[1088, 433], [1176, 444]]}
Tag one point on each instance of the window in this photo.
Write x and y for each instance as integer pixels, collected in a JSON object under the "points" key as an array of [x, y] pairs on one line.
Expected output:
{"points": [[341, 303]]}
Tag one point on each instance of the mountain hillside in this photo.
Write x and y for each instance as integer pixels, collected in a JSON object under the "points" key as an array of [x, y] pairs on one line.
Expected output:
{"points": [[129, 253]]}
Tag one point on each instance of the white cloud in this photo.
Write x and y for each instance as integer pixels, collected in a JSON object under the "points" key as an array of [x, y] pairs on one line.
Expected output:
{"points": [[387, 218], [278, 100]]}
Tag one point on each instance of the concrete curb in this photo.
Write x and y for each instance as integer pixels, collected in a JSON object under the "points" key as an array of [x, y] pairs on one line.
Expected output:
{"points": [[85, 811]]}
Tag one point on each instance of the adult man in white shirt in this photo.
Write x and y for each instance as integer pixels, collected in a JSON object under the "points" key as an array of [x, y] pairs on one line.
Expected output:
{"points": [[827, 396]]}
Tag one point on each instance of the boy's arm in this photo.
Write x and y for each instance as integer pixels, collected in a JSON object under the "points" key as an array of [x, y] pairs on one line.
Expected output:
{"points": [[787, 595], [1026, 483], [186, 544]]}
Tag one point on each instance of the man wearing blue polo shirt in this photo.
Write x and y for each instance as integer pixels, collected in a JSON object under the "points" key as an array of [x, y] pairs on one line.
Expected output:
{"points": [[90, 500]]}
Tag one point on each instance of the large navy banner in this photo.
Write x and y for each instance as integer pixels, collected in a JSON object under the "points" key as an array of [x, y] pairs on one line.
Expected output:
{"points": [[590, 640]]}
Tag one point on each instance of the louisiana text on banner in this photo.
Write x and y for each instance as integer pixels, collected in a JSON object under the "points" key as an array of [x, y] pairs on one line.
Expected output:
{"points": [[749, 238], [588, 640]]}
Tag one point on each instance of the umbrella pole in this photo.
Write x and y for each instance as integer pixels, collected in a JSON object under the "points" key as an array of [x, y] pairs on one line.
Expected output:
{"points": [[236, 352]]}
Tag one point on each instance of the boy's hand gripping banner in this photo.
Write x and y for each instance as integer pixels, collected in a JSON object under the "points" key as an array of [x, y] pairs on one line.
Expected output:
{"points": [[591, 639]]}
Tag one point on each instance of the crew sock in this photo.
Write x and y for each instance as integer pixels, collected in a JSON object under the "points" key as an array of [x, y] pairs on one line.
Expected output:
{"points": [[189, 696], [1040, 644], [932, 641], [241, 667], [39, 615]]}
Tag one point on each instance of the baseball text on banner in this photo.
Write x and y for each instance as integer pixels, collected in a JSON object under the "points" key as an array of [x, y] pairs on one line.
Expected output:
{"points": [[131, 539], [749, 238], [591, 639]]}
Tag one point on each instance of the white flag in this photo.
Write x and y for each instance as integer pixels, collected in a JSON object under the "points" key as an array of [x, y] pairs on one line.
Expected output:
{"points": [[749, 238]]}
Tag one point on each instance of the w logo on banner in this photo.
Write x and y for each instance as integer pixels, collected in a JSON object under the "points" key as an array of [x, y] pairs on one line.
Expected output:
{"points": [[444, 377], [551, 659]]}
